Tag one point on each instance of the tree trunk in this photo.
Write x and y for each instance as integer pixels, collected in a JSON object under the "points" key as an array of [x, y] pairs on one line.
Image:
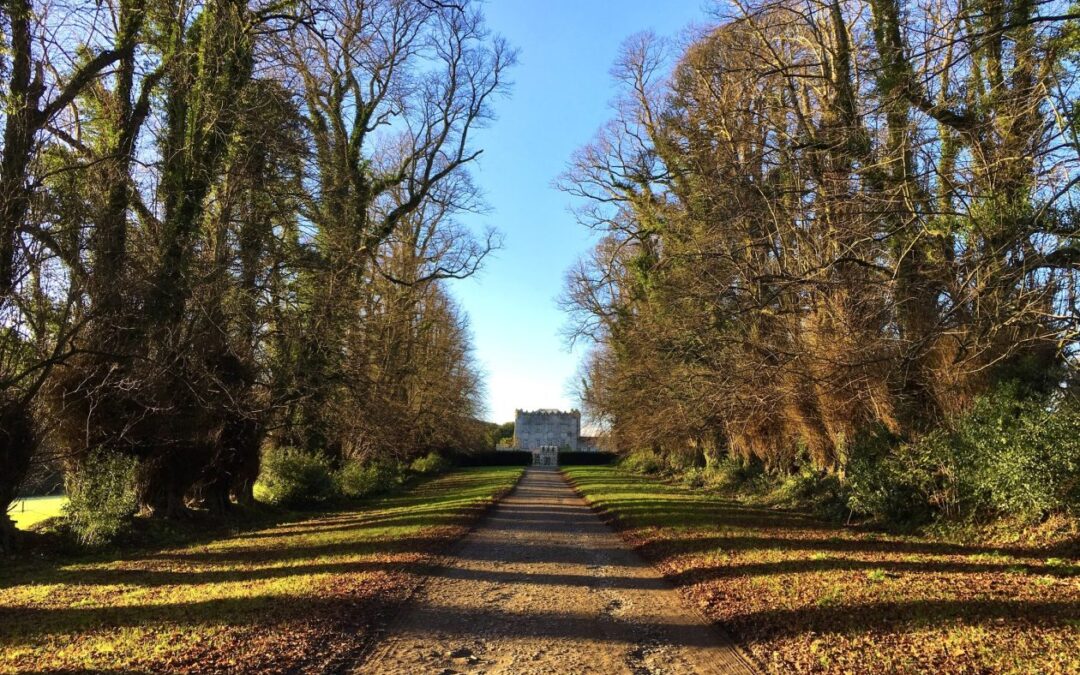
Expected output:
{"points": [[163, 487], [17, 445], [21, 126]]}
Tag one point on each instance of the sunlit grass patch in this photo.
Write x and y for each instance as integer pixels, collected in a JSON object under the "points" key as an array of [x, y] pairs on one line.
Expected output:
{"points": [[876, 576], [807, 596], [268, 600], [33, 510]]}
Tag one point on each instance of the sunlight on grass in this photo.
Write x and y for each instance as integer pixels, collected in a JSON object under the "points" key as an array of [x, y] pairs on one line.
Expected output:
{"points": [[275, 598], [808, 596], [27, 512]]}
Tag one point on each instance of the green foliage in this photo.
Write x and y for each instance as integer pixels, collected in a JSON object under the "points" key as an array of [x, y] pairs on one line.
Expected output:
{"points": [[820, 491], [294, 478], [732, 471], [430, 464], [889, 480], [1013, 454], [1026, 455], [102, 497], [357, 480], [892, 488], [643, 461], [502, 435], [726, 473], [682, 462]]}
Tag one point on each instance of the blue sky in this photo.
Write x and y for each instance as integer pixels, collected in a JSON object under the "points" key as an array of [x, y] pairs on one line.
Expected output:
{"points": [[561, 96]]}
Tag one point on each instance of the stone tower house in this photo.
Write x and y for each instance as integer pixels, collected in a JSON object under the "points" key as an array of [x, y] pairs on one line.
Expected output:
{"points": [[534, 429]]}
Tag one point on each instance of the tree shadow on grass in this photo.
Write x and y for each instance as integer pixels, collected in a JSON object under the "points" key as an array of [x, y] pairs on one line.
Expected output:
{"points": [[865, 618], [746, 527], [701, 574], [272, 633], [27, 623], [749, 539], [833, 579], [446, 504], [194, 577], [752, 625], [445, 517], [645, 513]]}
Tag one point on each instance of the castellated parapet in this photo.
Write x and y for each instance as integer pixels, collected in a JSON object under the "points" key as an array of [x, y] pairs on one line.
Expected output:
{"points": [[546, 428]]}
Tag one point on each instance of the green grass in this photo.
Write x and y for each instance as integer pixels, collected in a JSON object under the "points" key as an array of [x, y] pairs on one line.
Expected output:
{"points": [[27, 512], [804, 595], [278, 599]]}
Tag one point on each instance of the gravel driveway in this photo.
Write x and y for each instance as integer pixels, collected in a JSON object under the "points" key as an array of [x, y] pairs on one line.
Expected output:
{"points": [[543, 586]]}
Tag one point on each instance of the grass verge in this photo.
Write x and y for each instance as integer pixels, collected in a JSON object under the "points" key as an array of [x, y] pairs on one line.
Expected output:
{"points": [[298, 597], [802, 595]]}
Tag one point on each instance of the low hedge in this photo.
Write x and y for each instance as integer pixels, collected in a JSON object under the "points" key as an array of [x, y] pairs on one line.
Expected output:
{"points": [[494, 458], [571, 458], [525, 458]]}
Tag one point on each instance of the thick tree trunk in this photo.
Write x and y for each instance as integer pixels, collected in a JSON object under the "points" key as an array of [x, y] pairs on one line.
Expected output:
{"points": [[214, 494], [24, 93], [230, 476], [246, 467], [243, 489], [17, 445], [163, 486]]}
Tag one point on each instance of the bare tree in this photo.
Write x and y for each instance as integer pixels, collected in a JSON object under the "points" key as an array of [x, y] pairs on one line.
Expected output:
{"points": [[392, 92], [815, 229]]}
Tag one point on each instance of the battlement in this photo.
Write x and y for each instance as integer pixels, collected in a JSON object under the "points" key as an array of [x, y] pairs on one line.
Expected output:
{"points": [[547, 411]]}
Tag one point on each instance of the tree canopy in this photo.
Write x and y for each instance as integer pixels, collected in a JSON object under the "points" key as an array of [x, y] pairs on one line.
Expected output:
{"points": [[227, 224]]}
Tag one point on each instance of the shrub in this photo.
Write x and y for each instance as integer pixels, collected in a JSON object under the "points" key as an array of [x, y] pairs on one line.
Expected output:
{"points": [[1018, 456], [293, 478], [819, 491], [731, 472], [693, 477], [357, 480], [571, 458], [894, 488], [891, 481], [679, 462], [430, 464], [1011, 455], [102, 497], [643, 461]]}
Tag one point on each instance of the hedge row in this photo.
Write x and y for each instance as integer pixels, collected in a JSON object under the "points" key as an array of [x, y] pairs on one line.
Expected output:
{"points": [[494, 458], [524, 458], [587, 458]]}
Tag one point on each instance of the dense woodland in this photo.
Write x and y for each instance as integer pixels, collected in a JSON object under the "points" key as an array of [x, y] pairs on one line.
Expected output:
{"points": [[225, 226], [840, 239]]}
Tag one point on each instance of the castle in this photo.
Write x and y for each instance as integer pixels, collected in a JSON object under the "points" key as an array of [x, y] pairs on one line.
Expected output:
{"points": [[544, 432], [537, 428]]}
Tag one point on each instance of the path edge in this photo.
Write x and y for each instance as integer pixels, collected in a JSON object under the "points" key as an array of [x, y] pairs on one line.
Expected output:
{"points": [[355, 658], [620, 528]]}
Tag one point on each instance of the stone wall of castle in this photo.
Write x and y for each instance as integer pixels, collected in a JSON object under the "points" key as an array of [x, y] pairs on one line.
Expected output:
{"points": [[536, 428]]}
